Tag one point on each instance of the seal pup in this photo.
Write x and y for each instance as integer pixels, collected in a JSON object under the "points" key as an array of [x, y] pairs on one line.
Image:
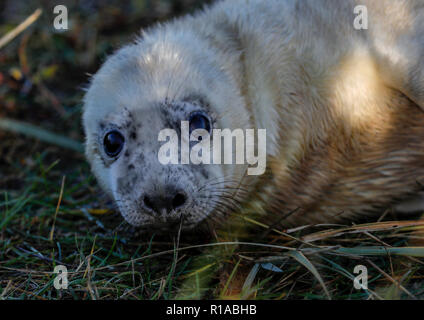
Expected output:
{"points": [[343, 110]]}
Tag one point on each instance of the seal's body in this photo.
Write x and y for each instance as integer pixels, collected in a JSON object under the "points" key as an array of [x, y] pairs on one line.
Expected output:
{"points": [[343, 110]]}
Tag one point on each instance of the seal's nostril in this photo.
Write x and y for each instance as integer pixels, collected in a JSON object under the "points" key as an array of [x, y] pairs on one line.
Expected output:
{"points": [[178, 201], [148, 203], [164, 204]]}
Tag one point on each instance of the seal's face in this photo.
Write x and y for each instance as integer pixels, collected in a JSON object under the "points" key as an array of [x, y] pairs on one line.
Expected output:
{"points": [[147, 192], [139, 92]]}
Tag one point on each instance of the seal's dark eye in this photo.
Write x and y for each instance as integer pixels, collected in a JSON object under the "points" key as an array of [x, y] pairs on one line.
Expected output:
{"points": [[199, 121], [113, 143]]}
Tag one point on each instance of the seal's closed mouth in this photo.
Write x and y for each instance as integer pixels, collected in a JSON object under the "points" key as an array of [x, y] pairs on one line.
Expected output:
{"points": [[163, 226]]}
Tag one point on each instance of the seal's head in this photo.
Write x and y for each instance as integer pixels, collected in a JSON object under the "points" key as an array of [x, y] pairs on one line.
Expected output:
{"points": [[144, 88]]}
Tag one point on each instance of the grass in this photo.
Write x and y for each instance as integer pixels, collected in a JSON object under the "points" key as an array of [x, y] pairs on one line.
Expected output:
{"points": [[107, 259], [53, 213]]}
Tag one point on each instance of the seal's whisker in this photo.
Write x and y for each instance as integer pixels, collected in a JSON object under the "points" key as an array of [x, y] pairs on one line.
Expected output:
{"points": [[224, 182], [215, 187], [220, 195], [215, 218], [230, 193], [222, 186], [222, 204]]}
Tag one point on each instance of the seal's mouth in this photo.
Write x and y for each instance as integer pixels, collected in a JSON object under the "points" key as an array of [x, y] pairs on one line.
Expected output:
{"points": [[165, 222], [173, 225]]}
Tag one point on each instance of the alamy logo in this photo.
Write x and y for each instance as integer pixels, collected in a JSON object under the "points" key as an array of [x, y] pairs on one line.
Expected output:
{"points": [[361, 20], [60, 22], [361, 280], [196, 147], [61, 280]]}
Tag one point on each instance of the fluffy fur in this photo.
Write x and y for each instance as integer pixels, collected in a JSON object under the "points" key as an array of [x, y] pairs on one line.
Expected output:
{"points": [[343, 108]]}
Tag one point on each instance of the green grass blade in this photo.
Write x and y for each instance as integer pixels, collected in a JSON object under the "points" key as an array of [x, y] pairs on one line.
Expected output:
{"points": [[300, 257]]}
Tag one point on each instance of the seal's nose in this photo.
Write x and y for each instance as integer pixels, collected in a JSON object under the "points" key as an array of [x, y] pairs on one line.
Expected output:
{"points": [[165, 203]]}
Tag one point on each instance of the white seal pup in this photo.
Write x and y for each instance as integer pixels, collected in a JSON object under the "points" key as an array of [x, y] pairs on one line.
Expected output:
{"points": [[342, 106]]}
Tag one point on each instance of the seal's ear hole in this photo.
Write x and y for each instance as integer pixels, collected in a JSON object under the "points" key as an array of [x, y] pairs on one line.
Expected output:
{"points": [[199, 120], [113, 143]]}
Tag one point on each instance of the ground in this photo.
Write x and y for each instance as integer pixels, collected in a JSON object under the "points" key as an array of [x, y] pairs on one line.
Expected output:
{"points": [[53, 213]]}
